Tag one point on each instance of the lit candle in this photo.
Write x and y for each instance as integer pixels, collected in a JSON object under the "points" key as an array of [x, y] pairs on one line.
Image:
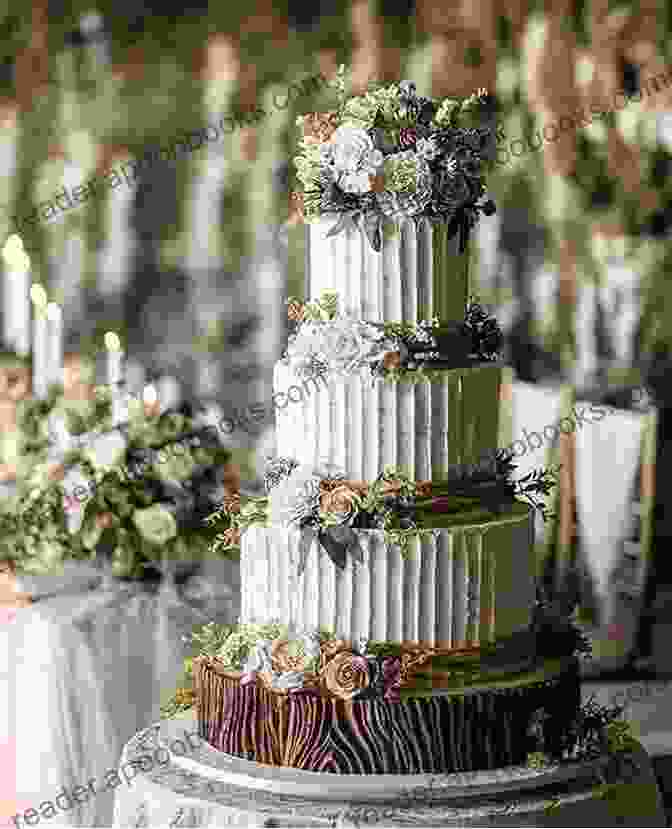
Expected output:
{"points": [[55, 344], [40, 341], [150, 399], [16, 296], [115, 357]]}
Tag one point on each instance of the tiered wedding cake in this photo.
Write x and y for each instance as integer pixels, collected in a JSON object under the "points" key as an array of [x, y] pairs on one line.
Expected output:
{"points": [[387, 617]]}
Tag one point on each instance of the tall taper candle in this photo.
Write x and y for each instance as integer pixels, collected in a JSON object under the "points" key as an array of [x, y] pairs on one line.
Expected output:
{"points": [[54, 344], [40, 341], [16, 296], [115, 357]]}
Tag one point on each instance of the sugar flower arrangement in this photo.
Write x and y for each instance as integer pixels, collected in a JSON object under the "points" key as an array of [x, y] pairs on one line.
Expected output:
{"points": [[393, 154], [328, 507], [325, 341], [289, 660], [315, 661]]}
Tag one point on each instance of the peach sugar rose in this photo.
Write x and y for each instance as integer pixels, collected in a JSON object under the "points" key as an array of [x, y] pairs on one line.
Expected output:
{"points": [[346, 675]]}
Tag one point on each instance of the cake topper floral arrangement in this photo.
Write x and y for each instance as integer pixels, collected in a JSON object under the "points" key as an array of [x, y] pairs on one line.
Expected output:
{"points": [[394, 154]]}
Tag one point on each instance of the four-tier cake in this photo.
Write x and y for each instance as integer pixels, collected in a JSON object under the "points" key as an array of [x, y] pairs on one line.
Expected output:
{"points": [[388, 598]]}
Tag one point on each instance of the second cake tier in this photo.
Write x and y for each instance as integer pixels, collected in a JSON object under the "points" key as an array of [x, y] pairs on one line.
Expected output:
{"points": [[459, 586], [364, 424]]}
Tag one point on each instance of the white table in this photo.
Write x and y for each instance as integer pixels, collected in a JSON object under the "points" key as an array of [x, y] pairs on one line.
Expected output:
{"points": [[83, 672], [169, 777]]}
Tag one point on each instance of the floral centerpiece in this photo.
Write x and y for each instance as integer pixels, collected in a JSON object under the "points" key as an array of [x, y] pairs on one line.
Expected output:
{"points": [[323, 341], [138, 494], [327, 506], [393, 154], [54, 429]]}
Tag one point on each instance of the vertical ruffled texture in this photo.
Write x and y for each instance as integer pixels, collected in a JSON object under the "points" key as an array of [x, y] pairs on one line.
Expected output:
{"points": [[457, 587]]}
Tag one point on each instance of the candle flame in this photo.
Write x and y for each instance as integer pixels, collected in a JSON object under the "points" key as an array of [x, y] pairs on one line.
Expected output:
{"points": [[14, 256], [12, 248], [38, 294], [112, 341]]}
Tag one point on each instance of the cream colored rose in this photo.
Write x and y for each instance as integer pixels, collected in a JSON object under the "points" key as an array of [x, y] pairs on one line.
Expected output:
{"points": [[392, 359], [332, 647], [296, 311], [346, 675], [341, 500], [318, 127]]}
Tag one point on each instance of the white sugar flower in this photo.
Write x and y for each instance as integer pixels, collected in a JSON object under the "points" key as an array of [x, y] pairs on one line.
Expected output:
{"points": [[427, 148], [355, 182], [259, 659], [354, 158], [311, 644], [351, 345], [296, 497], [350, 146], [287, 681]]}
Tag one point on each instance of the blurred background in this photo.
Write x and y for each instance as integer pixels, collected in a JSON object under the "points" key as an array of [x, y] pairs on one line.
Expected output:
{"points": [[189, 254]]}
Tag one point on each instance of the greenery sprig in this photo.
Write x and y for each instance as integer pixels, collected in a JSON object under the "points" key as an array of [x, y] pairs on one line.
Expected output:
{"points": [[392, 502]]}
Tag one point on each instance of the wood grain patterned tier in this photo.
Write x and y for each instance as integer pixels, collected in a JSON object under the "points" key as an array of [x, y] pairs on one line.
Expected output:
{"points": [[363, 424], [484, 729], [417, 274], [458, 587]]}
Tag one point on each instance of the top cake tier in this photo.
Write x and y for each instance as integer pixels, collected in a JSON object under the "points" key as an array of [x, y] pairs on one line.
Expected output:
{"points": [[418, 274]]}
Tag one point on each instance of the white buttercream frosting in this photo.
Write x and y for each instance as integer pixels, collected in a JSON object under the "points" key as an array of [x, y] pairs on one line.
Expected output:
{"points": [[364, 424], [418, 273], [458, 587]]}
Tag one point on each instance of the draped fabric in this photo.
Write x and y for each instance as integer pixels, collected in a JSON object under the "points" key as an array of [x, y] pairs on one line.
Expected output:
{"points": [[532, 431], [615, 452], [89, 668]]}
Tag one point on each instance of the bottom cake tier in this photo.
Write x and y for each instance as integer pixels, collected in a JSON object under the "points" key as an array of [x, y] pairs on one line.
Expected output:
{"points": [[484, 726]]}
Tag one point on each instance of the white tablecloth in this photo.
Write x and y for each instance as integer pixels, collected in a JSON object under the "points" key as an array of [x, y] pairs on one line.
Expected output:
{"points": [[82, 672]]}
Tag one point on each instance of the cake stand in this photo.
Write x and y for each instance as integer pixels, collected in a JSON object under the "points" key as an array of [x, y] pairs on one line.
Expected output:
{"points": [[168, 776]]}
